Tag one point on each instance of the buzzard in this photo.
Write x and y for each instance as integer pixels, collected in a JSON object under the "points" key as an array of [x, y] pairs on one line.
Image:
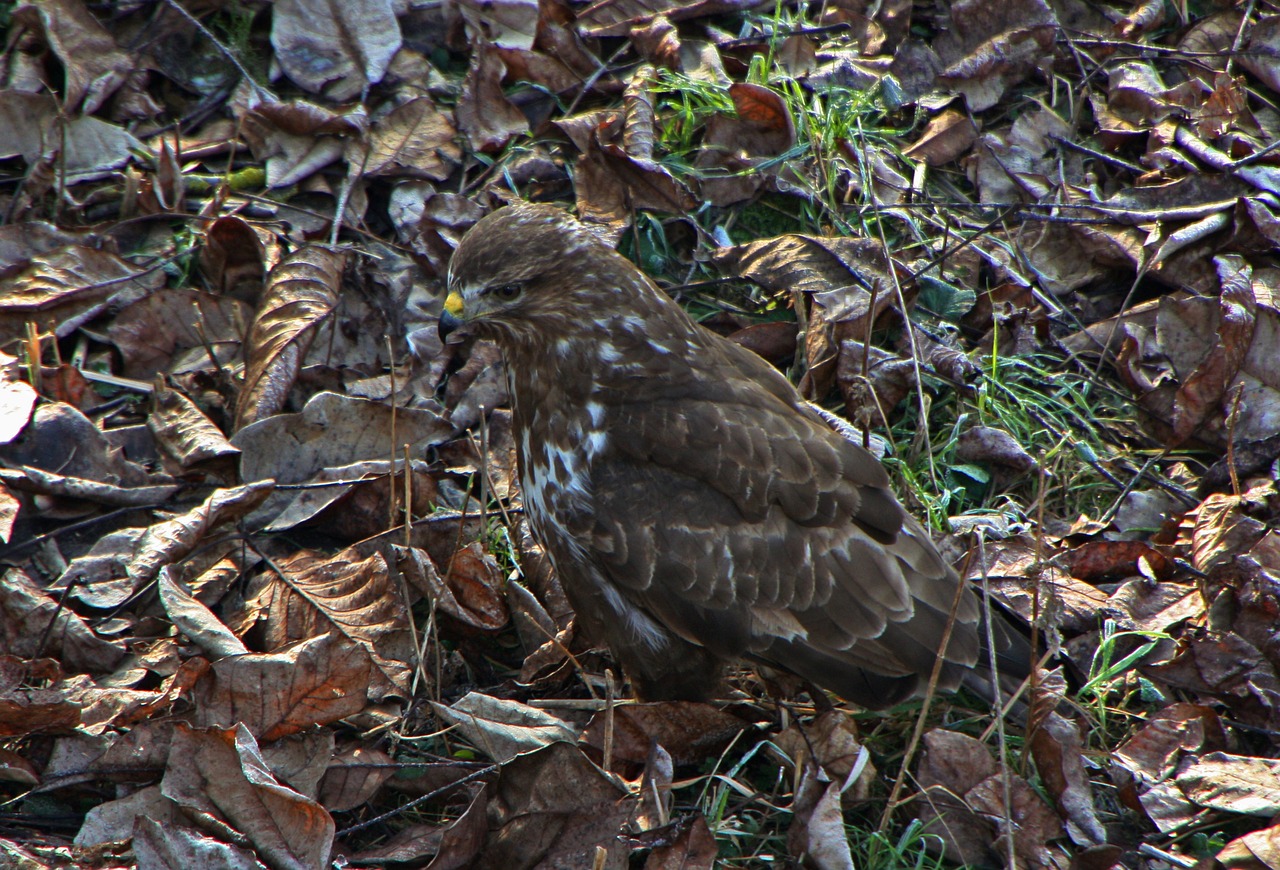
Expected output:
{"points": [[695, 507]]}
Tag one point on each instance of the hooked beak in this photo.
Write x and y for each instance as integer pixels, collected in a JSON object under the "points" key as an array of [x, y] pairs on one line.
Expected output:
{"points": [[451, 319]]}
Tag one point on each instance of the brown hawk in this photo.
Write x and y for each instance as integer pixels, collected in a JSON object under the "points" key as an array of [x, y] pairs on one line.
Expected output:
{"points": [[695, 507]]}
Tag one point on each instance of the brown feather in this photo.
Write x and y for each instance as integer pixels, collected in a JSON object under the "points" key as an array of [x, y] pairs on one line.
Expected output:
{"points": [[696, 508]]}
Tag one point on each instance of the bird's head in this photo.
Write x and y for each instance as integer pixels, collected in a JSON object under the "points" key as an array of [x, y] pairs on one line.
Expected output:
{"points": [[514, 275]]}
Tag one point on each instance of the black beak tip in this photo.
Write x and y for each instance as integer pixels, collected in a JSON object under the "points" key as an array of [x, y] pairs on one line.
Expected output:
{"points": [[448, 325]]}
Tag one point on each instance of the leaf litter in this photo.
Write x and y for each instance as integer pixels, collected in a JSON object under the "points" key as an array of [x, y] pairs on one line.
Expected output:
{"points": [[269, 599]]}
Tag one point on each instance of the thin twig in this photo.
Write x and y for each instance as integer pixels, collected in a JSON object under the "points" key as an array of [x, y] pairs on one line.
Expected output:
{"points": [[419, 801]]}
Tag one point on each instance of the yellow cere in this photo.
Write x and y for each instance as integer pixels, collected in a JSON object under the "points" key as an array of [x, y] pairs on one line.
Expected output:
{"points": [[453, 303]]}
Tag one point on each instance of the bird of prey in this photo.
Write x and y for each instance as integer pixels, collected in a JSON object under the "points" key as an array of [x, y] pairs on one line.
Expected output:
{"points": [[695, 507]]}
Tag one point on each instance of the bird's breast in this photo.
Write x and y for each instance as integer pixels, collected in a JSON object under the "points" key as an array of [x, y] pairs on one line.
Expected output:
{"points": [[558, 438]]}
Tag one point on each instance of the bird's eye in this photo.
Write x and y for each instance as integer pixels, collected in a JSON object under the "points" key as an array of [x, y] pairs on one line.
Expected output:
{"points": [[507, 291]]}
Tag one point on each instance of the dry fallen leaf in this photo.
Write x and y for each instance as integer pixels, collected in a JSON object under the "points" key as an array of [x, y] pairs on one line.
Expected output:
{"points": [[335, 49], [33, 625], [300, 293], [350, 598], [219, 778], [312, 682], [17, 399], [817, 833], [95, 65], [354, 774], [25, 710], [692, 846], [122, 562], [331, 431], [485, 116], [158, 843], [504, 729], [69, 286], [945, 137], [1238, 784], [414, 139]]}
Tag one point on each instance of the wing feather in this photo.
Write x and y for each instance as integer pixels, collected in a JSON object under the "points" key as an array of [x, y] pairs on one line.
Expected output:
{"points": [[741, 519]]}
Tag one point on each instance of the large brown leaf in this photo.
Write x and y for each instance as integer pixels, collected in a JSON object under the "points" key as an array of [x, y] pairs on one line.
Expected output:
{"points": [[219, 777], [314, 682], [352, 597], [301, 293]]}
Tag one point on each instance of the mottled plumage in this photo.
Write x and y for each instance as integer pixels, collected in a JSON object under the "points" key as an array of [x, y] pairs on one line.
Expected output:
{"points": [[695, 507]]}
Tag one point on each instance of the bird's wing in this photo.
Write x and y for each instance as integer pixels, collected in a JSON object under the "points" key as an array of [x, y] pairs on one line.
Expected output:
{"points": [[738, 517]]}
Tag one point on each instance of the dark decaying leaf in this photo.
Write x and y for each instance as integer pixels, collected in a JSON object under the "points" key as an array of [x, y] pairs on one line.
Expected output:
{"points": [[775, 341], [833, 278], [686, 730], [555, 806]]}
